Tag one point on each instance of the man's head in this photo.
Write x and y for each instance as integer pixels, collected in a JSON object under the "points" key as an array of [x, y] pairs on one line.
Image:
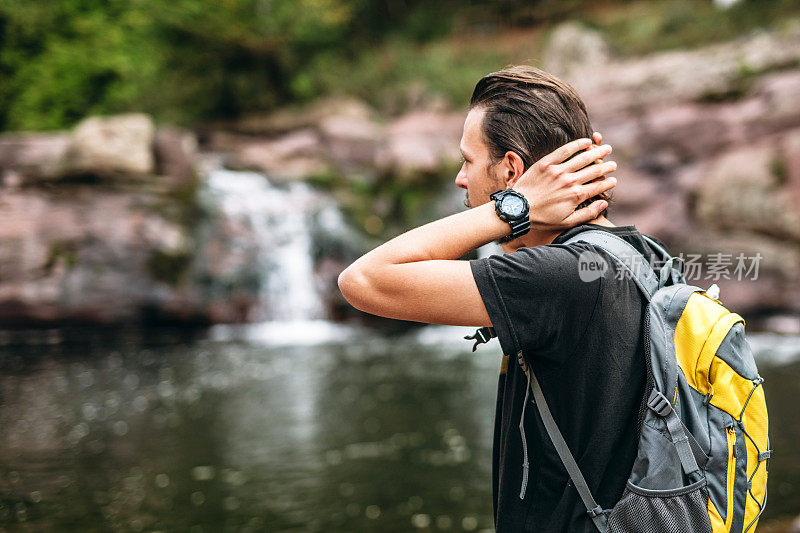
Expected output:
{"points": [[517, 116]]}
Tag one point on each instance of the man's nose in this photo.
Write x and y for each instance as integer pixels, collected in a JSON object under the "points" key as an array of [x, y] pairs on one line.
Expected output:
{"points": [[461, 180]]}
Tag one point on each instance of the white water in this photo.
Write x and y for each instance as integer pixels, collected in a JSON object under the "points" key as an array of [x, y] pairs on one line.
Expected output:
{"points": [[279, 222]]}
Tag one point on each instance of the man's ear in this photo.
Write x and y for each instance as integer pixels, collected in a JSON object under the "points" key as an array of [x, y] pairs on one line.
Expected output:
{"points": [[513, 168]]}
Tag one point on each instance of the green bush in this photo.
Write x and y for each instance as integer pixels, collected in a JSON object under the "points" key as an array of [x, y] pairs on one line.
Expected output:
{"points": [[196, 60]]}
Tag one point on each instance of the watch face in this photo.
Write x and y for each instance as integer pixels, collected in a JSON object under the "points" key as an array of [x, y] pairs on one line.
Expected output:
{"points": [[513, 206]]}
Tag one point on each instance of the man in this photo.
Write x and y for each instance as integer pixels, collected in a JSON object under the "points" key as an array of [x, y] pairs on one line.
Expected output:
{"points": [[528, 132]]}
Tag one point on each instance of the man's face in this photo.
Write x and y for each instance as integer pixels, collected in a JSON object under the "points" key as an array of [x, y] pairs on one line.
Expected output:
{"points": [[475, 175]]}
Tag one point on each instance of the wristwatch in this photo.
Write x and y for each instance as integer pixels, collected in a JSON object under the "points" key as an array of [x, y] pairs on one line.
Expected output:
{"points": [[512, 207]]}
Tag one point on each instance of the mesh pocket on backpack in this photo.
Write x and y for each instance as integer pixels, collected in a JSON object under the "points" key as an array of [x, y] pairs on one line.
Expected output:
{"points": [[683, 510]]}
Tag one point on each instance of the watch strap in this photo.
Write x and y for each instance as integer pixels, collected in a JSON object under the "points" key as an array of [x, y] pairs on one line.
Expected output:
{"points": [[518, 229]]}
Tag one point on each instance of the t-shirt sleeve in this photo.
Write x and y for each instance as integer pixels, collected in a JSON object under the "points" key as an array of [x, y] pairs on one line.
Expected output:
{"points": [[536, 299]]}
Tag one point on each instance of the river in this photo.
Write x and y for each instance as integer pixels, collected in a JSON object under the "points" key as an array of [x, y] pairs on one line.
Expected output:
{"points": [[295, 426]]}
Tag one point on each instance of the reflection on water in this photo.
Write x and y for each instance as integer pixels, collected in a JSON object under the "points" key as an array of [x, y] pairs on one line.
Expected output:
{"points": [[236, 429]]}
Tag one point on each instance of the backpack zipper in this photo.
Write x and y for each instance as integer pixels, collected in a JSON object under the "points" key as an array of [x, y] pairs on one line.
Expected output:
{"points": [[525, 463], [731, 475]]}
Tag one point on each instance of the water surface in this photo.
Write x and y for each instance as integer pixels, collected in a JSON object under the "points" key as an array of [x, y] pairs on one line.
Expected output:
{"points": [[303, 426]]}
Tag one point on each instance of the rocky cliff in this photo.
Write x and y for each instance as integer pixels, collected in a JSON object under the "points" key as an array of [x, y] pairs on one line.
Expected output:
{"points": [[100, 224], [105, 223], [708, 146]]}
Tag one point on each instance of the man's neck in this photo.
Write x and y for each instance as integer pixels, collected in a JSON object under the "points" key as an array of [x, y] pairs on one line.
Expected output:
{"points": [[540, 238]]}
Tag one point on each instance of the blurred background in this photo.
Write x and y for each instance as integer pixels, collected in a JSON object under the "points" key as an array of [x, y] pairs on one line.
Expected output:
{"points": [[182, 182]]}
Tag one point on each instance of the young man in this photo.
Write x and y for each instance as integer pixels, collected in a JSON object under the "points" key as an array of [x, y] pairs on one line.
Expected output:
{"points": [[527, 135]]}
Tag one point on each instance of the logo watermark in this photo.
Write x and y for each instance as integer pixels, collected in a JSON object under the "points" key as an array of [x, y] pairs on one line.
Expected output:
{"points": [[696, 267], [591, 266]]}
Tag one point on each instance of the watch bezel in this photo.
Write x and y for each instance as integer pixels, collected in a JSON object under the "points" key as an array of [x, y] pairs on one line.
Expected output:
{"points": [[499, 196]]}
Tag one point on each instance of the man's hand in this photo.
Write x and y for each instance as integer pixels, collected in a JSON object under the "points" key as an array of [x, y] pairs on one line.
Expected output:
{"points": [[555, 185]]}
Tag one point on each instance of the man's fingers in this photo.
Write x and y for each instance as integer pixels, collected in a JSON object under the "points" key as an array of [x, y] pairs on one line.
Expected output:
{"points": [[590, 212], [597, 187], [586, 158], [595, 171], [597, 139], [562, 153]]}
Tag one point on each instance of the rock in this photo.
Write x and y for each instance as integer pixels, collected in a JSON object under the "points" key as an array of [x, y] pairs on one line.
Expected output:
{"points": [[339, 133], [788, 164], [780, 94], [680, 134], [296, 155], [418, 143], [573, 48], [351, 141], [721, 71], [32, 157], [67, 256], [743, 190], [175, 151], [295, 118], [661, 139], [108, 147], [783, 324], [421, 142], [657, 210], [111, 146]]}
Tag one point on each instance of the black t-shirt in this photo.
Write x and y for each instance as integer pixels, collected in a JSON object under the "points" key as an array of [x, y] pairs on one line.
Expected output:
{"points": [[585, 342]]}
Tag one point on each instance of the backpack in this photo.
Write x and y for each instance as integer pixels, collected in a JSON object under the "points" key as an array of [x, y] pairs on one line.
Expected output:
{"points": [[703, 445]]}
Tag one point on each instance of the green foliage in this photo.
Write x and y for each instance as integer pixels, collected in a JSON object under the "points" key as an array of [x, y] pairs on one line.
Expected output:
{"points": [[642, 27], [778, 170], [64, 251], [169, 267], [63, 60], [382, 206], [193, 60], [182, 60], [399, 74]]}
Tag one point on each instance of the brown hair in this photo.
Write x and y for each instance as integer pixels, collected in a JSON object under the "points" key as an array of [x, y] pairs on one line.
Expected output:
{"points": [[531, 113]]}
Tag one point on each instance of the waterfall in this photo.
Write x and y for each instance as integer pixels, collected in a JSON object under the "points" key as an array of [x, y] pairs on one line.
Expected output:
{"points": [[268, 229]]}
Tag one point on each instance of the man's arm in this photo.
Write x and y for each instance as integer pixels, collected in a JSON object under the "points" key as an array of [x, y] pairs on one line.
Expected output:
{"points": [[416, 276]]}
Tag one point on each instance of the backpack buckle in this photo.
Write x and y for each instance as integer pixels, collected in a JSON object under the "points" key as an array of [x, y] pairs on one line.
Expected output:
{"points": [[481, 336], [659, 403], [597, 511]]}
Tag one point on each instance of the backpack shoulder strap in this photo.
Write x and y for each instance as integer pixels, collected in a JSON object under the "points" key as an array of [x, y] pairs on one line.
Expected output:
{"points": [[626, 255], [596, 513], [665, 255]]}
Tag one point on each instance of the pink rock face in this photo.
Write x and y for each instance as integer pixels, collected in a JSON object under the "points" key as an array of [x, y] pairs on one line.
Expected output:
{"points": [[33, 157], [350, 143], [790, 159], [293, 156], [109, 252], [175, 151], [423, 141], [707, 144], [67, 257], [105, 256]]}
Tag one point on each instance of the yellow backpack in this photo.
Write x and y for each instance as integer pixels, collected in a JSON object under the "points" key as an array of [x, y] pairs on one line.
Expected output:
{"points": [[703, 448]]}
